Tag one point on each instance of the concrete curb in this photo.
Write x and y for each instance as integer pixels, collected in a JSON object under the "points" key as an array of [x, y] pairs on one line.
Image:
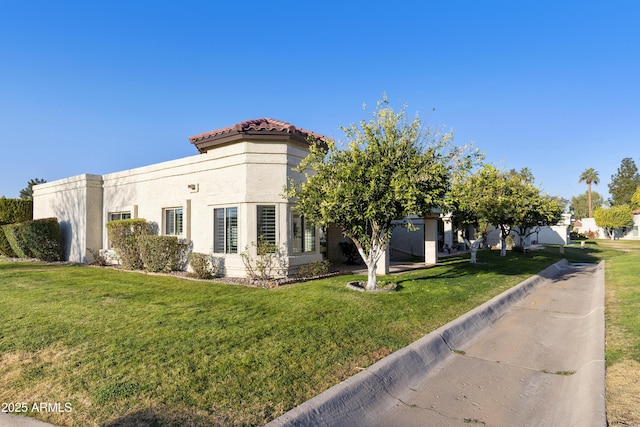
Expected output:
{"points": [[364, 397], [589, 397]]}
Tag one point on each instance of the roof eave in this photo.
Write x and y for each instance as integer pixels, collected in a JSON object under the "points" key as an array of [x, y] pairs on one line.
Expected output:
{"points": [[206, 143]]}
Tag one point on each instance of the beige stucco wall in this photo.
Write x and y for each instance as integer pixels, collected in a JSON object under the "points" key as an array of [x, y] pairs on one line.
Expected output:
{"points": [[77, 203]]}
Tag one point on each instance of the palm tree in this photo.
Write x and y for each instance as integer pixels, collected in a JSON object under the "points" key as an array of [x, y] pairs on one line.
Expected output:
{"points": [[590, 176]]}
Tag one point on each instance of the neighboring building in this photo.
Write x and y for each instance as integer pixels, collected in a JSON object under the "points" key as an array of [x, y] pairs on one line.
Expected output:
{"points": [[407, 244], [587, 225], [557, 234]]}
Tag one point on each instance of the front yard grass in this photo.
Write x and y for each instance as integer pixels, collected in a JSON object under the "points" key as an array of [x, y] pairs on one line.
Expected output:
{"points": [[623, 333], [124, 348]]}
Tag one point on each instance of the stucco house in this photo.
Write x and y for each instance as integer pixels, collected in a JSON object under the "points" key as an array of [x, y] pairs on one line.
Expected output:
{"points": [[221, 199]]}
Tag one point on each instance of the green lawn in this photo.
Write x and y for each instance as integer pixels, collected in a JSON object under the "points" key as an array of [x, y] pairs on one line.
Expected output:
{"points": [[623, 333], [126, 348]]}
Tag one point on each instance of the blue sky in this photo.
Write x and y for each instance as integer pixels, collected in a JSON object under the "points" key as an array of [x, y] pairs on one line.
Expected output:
{"points": [[103, 86]]}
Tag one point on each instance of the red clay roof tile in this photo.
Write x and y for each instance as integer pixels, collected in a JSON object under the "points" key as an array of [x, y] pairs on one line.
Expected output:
{"points": [[259, 125]]}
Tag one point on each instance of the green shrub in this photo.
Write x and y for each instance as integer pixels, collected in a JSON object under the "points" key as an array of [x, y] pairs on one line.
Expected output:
{"points": [[98, 257], [15, 237], [39, 239], [15, 210], [12, 211], [518, 248], [574, 235], [268, 262], [182, 256], [5, 247], [123, 235], [159, 253], [202, 265], [43, 238], [314, 269]]}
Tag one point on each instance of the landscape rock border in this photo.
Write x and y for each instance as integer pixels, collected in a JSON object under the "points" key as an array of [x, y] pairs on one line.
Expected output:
{"points": [[361, 286]]}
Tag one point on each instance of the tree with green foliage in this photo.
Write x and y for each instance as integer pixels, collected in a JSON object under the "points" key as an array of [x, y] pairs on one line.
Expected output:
{"points": [[635, 199], [27, 193], [580, 204], [506, 199], [544, 211], [624, 183], [590, 176], [614, 218], [391, 168]]}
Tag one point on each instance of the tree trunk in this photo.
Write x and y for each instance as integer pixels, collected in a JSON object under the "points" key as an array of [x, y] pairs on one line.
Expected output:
{"points": [[371, 260], [372, 278], [504, 233], [474, 248]]}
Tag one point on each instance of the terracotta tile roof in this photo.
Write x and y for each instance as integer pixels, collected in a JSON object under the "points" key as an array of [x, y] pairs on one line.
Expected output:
{"points": [[264, 127]]}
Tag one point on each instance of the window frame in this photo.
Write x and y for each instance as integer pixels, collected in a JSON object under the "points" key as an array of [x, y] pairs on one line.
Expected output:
{"points": [[303, 241], [225, 226], [121, 215], [267, 223], [177, 222]]}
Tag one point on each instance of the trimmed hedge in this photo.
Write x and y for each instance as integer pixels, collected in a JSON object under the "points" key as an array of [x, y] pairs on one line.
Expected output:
{"points": [[14, 235], [137, 247], [123, 235], [39, 239], [5, 247], [160, 253], [15, 210], [314, 269], [12, 211]]}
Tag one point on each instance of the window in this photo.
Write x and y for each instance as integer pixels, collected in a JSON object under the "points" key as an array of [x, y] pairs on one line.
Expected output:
{"points": [[304, 234], [173, 222], [267, 224], [225, 230], [115, 216]]}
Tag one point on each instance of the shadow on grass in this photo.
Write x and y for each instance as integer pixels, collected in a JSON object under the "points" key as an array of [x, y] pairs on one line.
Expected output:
{"points": [[513, 264], [162, 416]]}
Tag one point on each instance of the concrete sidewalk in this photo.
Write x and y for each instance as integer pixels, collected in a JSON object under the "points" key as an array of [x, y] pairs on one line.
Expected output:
{"points": [[10, 420], [533, 356]]}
